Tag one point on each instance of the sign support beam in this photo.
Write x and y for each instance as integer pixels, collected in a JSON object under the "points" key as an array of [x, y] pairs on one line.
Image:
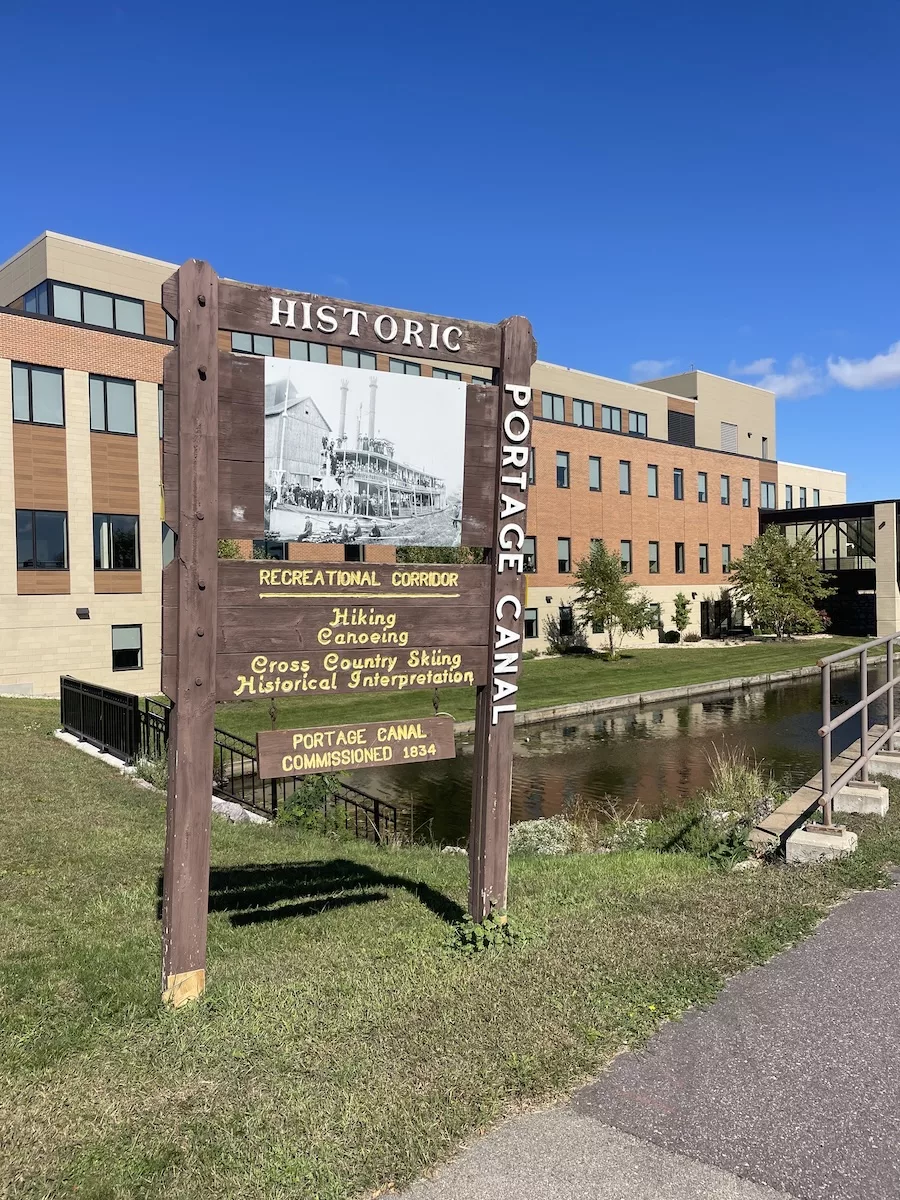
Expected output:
{"points": [[186, 873], [493, 760]]}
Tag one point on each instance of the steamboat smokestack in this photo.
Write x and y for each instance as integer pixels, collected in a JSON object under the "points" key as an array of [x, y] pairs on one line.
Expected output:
{"points": [[345, 384], [373, 387]]}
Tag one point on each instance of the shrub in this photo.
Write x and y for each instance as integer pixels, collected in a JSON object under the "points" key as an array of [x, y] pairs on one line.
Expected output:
{"points": [[227, 548], [693, 636], [153, 770], [566, 643], [527, 655], [673, 636], [547, 835], [307, 807]]}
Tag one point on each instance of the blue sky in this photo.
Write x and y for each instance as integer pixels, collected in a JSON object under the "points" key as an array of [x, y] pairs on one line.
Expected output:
{"points": [[651, 183]]}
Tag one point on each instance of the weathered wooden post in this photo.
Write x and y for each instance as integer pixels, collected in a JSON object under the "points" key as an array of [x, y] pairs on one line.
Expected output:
{"points": [[495, 702], [186, 873]]}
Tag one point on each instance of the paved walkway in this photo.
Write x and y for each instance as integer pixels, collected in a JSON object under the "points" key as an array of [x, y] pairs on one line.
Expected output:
{"points": [[789, 1083]]}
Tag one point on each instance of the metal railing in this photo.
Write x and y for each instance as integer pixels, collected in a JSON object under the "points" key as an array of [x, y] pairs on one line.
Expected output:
{"points": [[129, 726], [870, 742], [103, 717]]}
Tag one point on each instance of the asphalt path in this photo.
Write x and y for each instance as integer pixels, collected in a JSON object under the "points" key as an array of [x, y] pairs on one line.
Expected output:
{"points": [[788, 1083]]}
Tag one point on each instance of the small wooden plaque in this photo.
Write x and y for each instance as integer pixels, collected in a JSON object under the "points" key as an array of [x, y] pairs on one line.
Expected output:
{"points": [[353, 747]]}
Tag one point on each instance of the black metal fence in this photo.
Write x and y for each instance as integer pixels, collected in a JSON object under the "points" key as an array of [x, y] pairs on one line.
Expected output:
{"points": [[130, 726]]}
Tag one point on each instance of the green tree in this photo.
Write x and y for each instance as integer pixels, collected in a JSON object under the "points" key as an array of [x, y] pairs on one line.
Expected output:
{"points": [[228, 548], [780, 584], [609, 600], [682, 617], [440, 554]]}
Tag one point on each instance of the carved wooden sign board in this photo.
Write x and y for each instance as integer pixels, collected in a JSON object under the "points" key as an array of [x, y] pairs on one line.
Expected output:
{"points": [[271, 443]]}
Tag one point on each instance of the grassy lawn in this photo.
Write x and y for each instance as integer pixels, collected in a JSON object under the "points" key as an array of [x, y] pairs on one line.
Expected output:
{"points": [[343, 1044], [545, 682]]}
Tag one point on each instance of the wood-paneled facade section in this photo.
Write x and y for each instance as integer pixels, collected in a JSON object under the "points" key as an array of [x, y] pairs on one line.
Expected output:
{"points": [[115, 488], [39, 467]]}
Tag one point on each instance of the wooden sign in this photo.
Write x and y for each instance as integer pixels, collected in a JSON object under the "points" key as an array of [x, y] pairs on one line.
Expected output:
{"points": [[245, 630], [352, 747]]}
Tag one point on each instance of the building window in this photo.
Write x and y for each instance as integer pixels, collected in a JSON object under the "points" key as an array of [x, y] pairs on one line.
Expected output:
{"points": [[726, 559], [566, 621], [37, 394], [479, 379], [116, 543], [531, 622], [441, 373], [87, 307], [625, 478], [745, 495], [354, 552], [678, 483], [704, 558], [399, 367], [625, 557], [160, 400], [170, 328], [682, 429], [253, 343], [652, 480], [529, 555], [41, 541], [611, 418], [595, 480], [637, 424], [725, 488], [308, 351], [702, 487], [765, 447], [112, 405], [553, 407], [127, 652], [583, 413], [562, 469], [679, 558], [38, 300], [358, 358], [656, 610], [817, 497], [563, 553], [270, 548], [653, 557], [803, 497], [531, 457], [767, 497], [788, 495]]}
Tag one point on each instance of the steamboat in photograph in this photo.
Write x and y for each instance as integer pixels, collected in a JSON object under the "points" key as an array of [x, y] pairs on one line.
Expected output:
{"points": [[359, 456]]}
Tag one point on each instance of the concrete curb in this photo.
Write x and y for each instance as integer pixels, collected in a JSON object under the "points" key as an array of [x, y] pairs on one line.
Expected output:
{"points": [[535, 716]]}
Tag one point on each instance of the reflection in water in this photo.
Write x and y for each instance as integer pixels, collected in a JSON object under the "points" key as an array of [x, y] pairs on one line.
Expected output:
{"points": [[651, 757]]}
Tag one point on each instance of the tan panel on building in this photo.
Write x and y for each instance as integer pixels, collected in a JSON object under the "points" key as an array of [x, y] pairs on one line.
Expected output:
{"points": [[42, 583], [107, 582], [114, 474], [154, 320], [39, 466]]}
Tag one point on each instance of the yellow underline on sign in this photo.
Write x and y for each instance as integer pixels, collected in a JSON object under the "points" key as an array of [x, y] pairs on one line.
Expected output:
{"points": [[363, 595]]}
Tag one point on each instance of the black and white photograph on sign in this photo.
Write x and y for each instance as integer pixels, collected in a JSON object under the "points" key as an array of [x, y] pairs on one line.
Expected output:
{"points": [[358, 456]]}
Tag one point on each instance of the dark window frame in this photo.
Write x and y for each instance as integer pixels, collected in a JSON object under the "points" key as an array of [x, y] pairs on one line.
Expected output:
{"points": [[654, 467], [704, 570], [582, 406], [678, 483], [681, 557], [747, 493], [568, 558], [553, 397], [652, 563], [29, 367], [594, 458], [140, 663], [64, 513], [399, 366], [726, 565], [526, 621], [703, 496], [627, 564], [106, 379], [308, 347], [564, 468], [444, 373], [725, 491], [81, 289], [529, 554], [625, 462], [611, 409], [253, 350], [641, 433], [109, 518], [358, 353]]}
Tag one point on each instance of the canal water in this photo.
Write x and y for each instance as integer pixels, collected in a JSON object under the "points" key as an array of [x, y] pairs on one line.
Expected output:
{"points": [[648, 760]]}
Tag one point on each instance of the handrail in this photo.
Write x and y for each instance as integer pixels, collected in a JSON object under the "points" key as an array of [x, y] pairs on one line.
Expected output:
{"points": [[868, 746]]}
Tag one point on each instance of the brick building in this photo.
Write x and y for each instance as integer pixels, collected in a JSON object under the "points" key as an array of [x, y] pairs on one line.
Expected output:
{"points": [[672, 473]]}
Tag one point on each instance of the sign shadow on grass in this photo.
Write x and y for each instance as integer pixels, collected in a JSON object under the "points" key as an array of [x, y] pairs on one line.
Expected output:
{"points": [[257, 893]]}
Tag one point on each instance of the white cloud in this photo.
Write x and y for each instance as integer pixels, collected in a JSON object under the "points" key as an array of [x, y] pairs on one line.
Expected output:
{"points": [[651, 368], [800, 379], [882, 370], [761, 366]]}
